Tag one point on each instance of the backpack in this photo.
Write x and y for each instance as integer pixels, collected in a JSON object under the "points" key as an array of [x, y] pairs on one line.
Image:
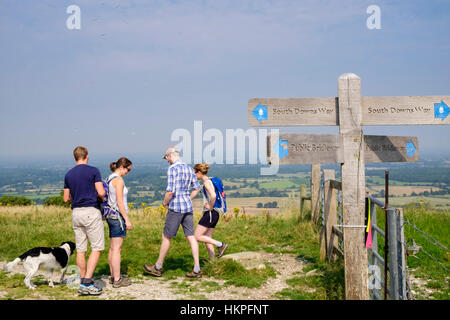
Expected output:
{"points": [[104, 207], [221, 198]]}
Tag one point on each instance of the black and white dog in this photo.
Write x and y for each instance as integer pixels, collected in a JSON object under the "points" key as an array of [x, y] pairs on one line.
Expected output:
{"points": [[46, 258]]}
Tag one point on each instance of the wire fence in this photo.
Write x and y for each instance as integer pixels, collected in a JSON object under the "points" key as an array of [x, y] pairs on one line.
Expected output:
{"points": [[400, 272], [431, 240]]}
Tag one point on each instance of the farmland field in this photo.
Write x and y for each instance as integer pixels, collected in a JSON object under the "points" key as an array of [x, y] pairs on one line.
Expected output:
{"points": [[245, 187]]}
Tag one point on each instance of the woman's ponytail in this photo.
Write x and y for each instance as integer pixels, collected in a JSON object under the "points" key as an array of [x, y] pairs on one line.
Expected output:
{"points": [[113, 166]]}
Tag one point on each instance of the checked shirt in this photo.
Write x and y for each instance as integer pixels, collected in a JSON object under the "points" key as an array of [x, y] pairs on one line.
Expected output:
{"points": [[180, 178]]}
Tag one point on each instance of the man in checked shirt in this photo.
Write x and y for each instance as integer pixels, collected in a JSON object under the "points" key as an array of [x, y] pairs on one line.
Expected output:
{"points": [[178, 199]]}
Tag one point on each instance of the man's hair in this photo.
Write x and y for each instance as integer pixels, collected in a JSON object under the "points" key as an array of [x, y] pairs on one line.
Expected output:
{"points": [[80, 153]]}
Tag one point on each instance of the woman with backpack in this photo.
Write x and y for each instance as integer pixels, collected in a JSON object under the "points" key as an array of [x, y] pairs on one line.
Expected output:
{"points": [[206, 225], [118, 220]]}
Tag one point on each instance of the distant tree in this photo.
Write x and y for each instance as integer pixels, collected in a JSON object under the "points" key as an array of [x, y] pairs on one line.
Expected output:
{"points": [[15, 201], [270, 204], [259, 205], [57, 201]]}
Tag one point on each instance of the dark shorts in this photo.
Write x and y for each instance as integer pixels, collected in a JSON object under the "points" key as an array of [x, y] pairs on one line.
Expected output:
{"points": [[173, 221], [117, 228], [209, 219]]}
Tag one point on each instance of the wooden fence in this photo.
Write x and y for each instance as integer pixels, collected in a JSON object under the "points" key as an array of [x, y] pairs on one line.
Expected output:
{"points": [[331, 240]]}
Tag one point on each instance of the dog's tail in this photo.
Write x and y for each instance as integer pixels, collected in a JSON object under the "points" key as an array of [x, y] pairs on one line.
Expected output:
{"points": [[12, 264]]}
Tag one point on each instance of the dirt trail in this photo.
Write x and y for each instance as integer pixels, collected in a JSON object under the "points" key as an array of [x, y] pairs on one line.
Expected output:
{"points": [[150, 288]]}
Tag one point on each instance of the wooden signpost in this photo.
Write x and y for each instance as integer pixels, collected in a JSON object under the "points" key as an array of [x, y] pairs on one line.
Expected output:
{"points": [[350, 111]]}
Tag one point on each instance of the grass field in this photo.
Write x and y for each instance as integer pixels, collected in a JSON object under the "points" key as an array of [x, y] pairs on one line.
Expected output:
{"points": [[439, 202], [278, 184], [26, 227]]}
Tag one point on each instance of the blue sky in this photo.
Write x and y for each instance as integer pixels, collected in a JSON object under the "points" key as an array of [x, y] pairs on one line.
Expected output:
{"points": [[138, 70]]}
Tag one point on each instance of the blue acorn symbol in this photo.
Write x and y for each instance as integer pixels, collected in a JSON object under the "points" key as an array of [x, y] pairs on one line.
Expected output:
{"points": [[260, 113]]}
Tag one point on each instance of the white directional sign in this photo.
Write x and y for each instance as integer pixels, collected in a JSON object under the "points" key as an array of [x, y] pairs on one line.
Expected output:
{"points": [[293, 112], [292, 148], [380, 111], [405, 110]]}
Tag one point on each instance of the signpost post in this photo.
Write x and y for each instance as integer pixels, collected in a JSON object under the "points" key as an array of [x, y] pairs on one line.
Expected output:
{"points": [[350, 111]]}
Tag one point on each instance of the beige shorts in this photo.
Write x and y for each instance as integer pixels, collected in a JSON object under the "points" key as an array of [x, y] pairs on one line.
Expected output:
{"points": [[88, 225]]}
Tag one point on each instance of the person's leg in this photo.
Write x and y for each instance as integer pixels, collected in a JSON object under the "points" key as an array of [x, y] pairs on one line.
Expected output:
{"points": [[165, 246], [188, 228], [115, 257], [96, 236], [173, 221], [110, 259], [194, 247], [92, 264], [81, 240], [204, 234], [157, 268], [171, 226], [209, 246], [81, 263]]}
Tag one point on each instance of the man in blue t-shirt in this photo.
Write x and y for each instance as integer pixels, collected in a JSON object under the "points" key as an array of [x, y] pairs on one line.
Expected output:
{"points": [[83, 186]]}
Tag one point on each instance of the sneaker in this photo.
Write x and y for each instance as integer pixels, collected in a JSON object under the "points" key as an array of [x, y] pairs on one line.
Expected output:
{"points": [[122, 282], [89, 289], [222, 249], [153, 270], [194, 274]]}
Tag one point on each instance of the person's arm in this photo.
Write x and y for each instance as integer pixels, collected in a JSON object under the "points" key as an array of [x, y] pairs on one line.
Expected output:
{"points": [[99, 185], [119, 186], [212, 195], [170, 188], [167, 197], [100, 190], [66, 195], [195, 185], [194, 193]]}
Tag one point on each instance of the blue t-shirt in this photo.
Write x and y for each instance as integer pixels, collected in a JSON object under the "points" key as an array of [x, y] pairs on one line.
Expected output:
{"points": [[81, 181]]}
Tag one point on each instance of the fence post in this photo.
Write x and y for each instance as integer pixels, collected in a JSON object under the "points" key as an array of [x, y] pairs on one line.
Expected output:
{"points": [[315, 192], [401, 254], [393, 253], [373, 222], [302, 198], [329, 211]]}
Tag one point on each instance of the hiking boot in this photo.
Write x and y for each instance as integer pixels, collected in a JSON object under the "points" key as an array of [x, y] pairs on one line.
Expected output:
{"points": [[153, 270], [222, 249], [194, 274], [87, 289], [122, 282]]}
